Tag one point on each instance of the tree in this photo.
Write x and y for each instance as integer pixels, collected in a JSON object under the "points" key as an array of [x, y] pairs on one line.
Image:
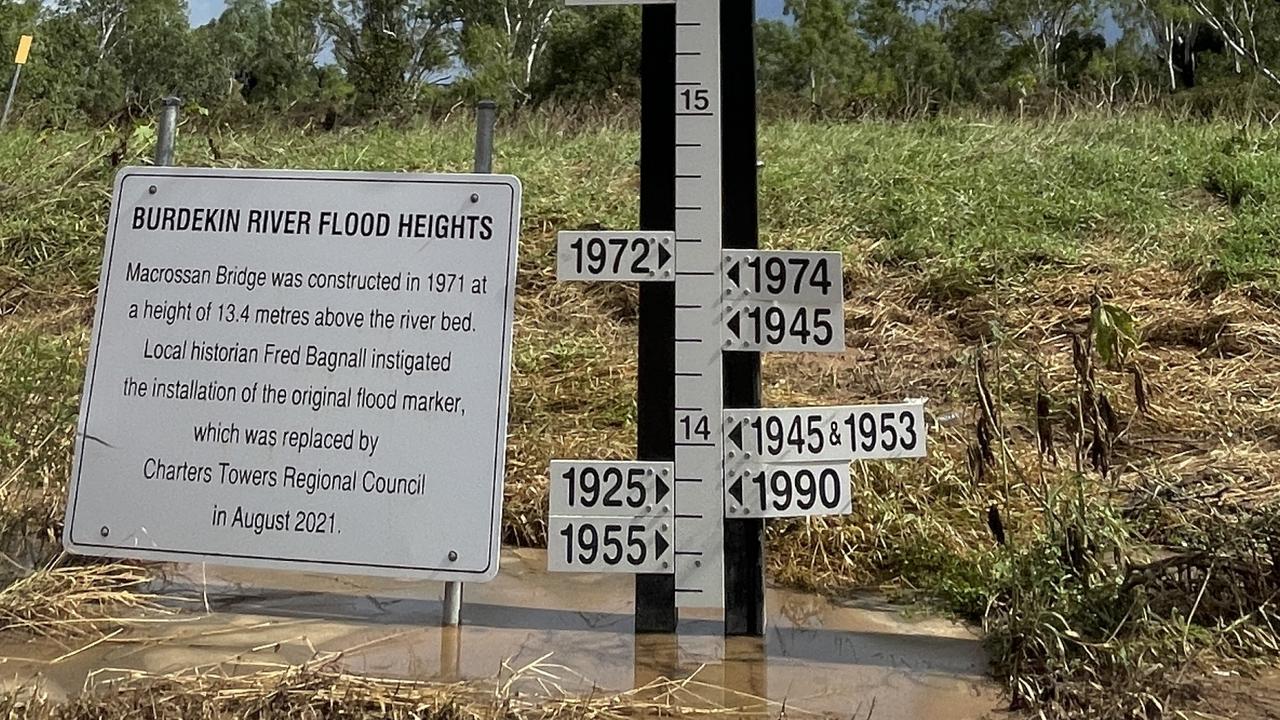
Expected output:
{"points": [[1238, 23], [270, 50], [287, 71], [911, 59], [502, 41], [16, 19], [1040, 26], [972, 36], [1075, 56], [390, 50], [121, 56], [157, 55], [239, 38], [1170, 25], [590, 56], [830, 51], [783, 65]]}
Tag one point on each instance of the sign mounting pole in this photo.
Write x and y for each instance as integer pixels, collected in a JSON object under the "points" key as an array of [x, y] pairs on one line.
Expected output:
{"points": [[19, 59], [486, 119], [699, 381], [743, 538], [655, 393]]}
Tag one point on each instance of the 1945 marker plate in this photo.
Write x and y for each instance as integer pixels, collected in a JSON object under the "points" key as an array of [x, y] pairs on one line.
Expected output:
{"points": [[821, 434]]}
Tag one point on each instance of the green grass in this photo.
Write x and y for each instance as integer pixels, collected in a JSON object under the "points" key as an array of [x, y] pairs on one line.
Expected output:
{"points": [[957, 233], [974, 202], [981, 202]]}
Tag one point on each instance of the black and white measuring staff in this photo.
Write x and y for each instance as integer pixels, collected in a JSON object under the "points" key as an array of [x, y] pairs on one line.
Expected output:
{"points": [[728, 463], [699, 381], [699, 456]]}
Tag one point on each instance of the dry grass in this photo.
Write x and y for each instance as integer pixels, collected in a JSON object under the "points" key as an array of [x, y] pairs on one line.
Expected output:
{"points": [[67, 601], [319, 690], [1114, 594]]}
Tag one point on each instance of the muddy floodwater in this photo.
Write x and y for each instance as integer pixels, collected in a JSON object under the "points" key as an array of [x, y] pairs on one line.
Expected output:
{"points": [[851, 659]]}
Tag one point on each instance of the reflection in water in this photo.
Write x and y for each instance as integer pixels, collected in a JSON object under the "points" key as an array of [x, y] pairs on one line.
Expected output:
{"points": [[817, 656], [657, 657], [736, 678], [451, 653], [746, 676]]}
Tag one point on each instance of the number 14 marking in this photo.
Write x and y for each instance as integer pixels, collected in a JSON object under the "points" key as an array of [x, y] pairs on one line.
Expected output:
{"points": [[694, 428]]}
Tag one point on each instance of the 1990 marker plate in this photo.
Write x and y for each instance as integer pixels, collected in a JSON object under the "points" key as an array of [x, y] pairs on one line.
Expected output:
{"points": [[789, 490]]}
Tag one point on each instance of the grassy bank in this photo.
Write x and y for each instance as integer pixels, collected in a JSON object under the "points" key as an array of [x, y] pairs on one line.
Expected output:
{"points": [[1091, 307]]}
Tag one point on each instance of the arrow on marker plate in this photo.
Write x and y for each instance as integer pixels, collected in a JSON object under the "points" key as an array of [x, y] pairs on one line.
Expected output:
{"points": [[661, 543], [735, 435], [734, 273], [664, 256], [735, 325], [735, 490], [663, 488]]}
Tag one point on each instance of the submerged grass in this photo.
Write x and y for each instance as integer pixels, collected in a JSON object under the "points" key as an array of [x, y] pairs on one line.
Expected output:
{"points": [[1111, 520], [321, 689]]}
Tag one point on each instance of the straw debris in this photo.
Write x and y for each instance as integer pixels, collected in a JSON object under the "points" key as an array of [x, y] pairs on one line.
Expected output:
{"points": [[320, 690]]}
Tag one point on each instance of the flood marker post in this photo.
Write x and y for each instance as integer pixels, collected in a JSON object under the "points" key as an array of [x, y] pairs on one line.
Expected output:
{"points": [[486, 119], [655, 594], [19, 59], [733, 464], [743, 537]]}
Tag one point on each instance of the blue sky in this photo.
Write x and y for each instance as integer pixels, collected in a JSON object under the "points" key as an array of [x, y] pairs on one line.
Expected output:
{"points": [[202, 11]]}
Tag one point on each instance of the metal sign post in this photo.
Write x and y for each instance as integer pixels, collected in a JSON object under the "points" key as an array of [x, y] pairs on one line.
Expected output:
{"points": [[655, 393], [19, 59], [486, 120], [743, 537], [731, 302], [167, 131]]}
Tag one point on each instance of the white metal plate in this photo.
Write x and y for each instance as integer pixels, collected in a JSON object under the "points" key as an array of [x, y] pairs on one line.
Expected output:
{"points": [[257, 332], [820, 434], [789, 490], [772, 326], [591, 487], [813, 278], [628, 255], [610, 545], [699, 388]]}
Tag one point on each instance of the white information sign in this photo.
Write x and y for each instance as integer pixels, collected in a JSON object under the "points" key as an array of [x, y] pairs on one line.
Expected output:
{"points": [[636, 256], [824, 434], [300, 370], [770, 325], [590, 487], [813, 278], [782, 490], [610, 544]]}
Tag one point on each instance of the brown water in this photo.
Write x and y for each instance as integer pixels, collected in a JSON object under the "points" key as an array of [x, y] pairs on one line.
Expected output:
{"points": [[856, 659]]}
